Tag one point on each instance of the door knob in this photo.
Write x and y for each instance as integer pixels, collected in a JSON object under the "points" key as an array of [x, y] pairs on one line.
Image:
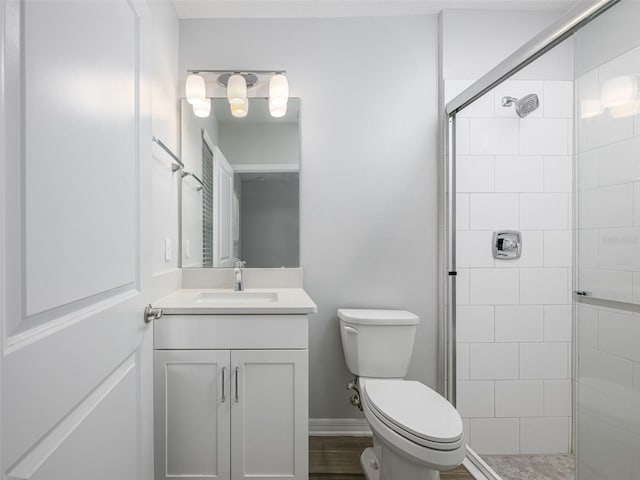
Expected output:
{"points": [[151, 313]]}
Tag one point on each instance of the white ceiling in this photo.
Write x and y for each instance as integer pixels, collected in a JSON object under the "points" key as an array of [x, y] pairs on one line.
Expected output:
{"points": [[348, 8]]}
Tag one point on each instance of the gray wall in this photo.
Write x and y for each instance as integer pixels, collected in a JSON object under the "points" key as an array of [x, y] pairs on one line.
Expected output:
{"points": [[369, 133], [269, 221], [192, 199], [475, 41], [165, 124]]}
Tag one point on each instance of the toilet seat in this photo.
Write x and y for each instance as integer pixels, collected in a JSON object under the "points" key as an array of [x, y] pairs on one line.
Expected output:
{"points": [[415, 412]]}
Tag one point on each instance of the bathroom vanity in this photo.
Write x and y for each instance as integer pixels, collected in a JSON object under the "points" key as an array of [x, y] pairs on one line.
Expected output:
{"points": [[231, 384]]}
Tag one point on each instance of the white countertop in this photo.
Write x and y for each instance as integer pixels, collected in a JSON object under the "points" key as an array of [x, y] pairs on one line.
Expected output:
{"points": [[287, 301]]}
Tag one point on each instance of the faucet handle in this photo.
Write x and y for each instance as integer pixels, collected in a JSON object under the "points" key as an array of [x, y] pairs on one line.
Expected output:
{"points": [[240, 263]]}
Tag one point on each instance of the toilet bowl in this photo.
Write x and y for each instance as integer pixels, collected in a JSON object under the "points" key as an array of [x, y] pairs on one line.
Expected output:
{"points": [[416, 432]]}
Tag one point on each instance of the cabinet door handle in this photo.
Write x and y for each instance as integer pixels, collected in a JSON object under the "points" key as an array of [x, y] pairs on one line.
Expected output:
{"points": [[224, 371], [237, 374]]}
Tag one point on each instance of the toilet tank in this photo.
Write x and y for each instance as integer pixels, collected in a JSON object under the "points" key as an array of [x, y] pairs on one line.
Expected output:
{"points": [[377, 343]]}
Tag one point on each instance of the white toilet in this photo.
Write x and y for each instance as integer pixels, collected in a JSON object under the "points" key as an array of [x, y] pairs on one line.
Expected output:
{"points": [[416, 432]]}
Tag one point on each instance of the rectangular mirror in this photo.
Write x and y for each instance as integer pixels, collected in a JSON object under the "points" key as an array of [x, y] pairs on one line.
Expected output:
{"points": [[240, 187]]}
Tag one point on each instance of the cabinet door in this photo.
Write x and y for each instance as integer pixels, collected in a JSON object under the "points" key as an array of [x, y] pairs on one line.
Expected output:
{"points": [[192, 414], [270, 414]]}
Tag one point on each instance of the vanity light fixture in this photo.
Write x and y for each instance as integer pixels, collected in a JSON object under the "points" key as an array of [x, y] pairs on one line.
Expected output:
{"points": [[195, 89], [236, 89], [278, 95], [237, 84], [202, 109], [240, 110]]}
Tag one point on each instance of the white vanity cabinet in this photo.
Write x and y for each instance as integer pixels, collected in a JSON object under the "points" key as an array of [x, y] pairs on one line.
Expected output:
{"points": [[192, 414], [231, 397], [269, 414]]}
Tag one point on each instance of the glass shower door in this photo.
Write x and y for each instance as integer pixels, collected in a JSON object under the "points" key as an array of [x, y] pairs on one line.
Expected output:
{"points": [[607, 349]]}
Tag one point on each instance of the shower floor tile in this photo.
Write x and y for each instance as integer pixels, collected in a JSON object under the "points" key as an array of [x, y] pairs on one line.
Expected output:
{"points": [[532, 467]]}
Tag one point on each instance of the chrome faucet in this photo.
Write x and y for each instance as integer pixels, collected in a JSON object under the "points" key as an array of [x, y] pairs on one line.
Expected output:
{"points": [[238, 285]]}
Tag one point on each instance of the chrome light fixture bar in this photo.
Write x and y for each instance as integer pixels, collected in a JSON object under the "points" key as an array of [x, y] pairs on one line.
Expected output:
{"points": [[237, 83]]}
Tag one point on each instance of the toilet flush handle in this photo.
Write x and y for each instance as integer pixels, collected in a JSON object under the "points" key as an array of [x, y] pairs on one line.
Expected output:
{"points": [[350, 330]]}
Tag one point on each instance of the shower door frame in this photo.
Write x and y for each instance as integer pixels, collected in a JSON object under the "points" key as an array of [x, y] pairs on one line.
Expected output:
{"points": [[555, 34]]}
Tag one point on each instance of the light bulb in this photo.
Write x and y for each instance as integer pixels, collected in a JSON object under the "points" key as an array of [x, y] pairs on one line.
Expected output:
{"points": [[278, 90], [240, 110], [195, 89], [236, 89], [202, 109], [277, 111]]}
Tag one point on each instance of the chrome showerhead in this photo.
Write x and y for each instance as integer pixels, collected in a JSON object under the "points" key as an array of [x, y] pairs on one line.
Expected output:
{"points": [[524, 106]]}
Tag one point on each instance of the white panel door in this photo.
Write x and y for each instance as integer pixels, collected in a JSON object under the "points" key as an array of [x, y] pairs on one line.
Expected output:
{"points": [[193, 414], [222, 207], [269, 416], [76, 363]]}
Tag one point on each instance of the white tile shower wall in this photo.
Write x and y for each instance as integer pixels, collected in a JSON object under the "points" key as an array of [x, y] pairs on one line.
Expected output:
{"points": [[514, 317], [608, 385], [495, 435], [558, 173], [475, 323], [608, 201], [518, 323], [519, 398]]}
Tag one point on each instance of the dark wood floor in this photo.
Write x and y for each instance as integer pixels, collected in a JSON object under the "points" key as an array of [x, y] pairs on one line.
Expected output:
{"points": [[338, 458]]}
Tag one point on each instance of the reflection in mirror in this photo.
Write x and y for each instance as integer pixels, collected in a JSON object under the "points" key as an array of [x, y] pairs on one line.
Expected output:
{"points": [[249, 206]]}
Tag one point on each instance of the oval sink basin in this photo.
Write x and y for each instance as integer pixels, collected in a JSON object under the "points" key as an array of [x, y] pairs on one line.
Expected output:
{"points": [[236, 298]]}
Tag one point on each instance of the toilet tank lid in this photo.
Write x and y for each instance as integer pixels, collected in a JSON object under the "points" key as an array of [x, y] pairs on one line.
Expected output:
{"points": [[378, 317]]}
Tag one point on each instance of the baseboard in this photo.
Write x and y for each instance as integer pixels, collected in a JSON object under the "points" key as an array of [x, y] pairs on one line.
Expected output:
{"points": [[326, 427]]}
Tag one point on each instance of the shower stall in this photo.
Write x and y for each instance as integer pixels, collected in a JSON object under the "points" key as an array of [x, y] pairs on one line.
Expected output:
{"points": [[541, 228]]}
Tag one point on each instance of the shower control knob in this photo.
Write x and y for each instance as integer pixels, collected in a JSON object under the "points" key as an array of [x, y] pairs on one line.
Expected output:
{"points": [[507, 245]]}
